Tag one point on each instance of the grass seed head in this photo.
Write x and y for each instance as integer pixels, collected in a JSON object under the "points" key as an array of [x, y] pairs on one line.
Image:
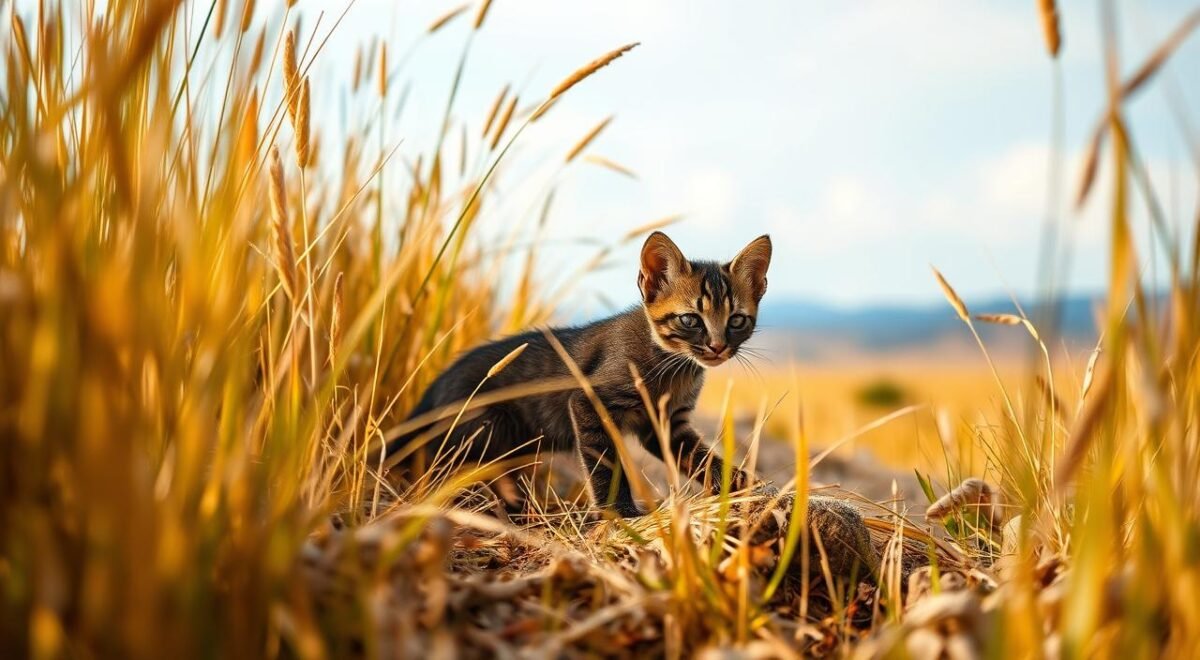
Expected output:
{"points": [[588, 139], [1051, 32], [579, 75], [959, 306], [285, 256]]}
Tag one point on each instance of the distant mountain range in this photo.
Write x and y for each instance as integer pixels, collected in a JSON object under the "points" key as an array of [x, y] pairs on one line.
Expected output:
{"points": [[805, 324]]}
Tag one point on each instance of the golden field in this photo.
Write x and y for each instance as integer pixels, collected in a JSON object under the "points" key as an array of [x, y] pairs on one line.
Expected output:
{"points": [[213, 307]]}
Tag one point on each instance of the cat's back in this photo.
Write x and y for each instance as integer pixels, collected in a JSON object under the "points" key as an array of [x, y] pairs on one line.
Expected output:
{"points": [[588, 345]]}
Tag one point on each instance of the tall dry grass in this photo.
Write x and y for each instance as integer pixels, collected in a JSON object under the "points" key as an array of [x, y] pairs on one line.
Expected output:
{"points": [[210, 318]]}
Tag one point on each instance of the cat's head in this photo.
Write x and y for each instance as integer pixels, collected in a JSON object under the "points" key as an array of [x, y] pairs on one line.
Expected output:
{"points": [[702, 309]]}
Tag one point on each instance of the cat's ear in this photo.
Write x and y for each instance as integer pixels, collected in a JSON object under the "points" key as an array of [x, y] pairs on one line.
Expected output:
{"points": [[751, 265], [661, 262]]}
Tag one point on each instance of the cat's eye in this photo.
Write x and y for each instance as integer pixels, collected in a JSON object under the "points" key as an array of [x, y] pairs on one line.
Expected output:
{"points": [[689, 320], [738, 321]]}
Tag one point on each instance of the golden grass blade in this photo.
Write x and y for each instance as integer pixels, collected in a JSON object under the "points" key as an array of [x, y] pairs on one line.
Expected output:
{"points": [[302, 127], [256, 58], [247, 15], [1009, 319], [1089, 374], [1135, 82], [495, 109], [1000, 319], [507, 360], [481, 15], [383, 71], [285, 255], [441, 21], [1051, 31], [505, 118], [641, 230], [614, 166], [247, 145], [1082, 433], [575, 78], [951, 296], [291, 75], [587, 139]]}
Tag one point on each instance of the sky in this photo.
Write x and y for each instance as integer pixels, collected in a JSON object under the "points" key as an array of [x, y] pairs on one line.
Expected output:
{"points": [[871, 139]]}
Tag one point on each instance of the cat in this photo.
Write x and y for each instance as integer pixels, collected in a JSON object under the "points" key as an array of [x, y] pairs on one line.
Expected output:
{"points": [[694, 315]]}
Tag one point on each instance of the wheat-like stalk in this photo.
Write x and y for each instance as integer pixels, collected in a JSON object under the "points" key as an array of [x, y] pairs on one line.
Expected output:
{"points": [[507, 360], [335, 319], [356, 78], [505, 117], [222, 16], [482, 14], [383, 75], [441, 21], [247, 144], [302, 128], [612, 165], [1000, 319], [285, 256], [579, 75], [587, 139], [951, 296], [1048, 11], [291, 74], [247, 15], [256, 58], [495, 109]]}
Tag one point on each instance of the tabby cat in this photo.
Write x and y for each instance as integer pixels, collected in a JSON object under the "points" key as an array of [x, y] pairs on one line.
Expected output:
{"points": [[694, 315]]}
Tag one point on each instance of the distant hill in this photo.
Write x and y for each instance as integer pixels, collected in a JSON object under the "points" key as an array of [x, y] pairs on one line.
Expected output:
{"points": [[808, 325]]}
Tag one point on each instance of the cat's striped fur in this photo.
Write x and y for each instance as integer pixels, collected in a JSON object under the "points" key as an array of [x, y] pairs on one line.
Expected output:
{"points": [[694, 315]]}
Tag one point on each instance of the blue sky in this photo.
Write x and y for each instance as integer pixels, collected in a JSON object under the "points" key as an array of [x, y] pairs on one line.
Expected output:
{"points": [[870, 138]]}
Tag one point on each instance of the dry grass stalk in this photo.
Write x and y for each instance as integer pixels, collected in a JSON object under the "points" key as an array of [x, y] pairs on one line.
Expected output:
{"points": [[303, 128], [1135, 82], [1089, 374], [505, 118], [260, 46], [481, 16], [1084, 430], [1000, 319], [247, 144], [442, 20], [383, 71], [285, 255], [575, 78], [336, 324], [1050, 26], [587, 139], [951, 296], [642, 230], [291, 74], [495, 109], [507, 360], [222, 16], [247, 15], [612, 165], [356, 78]]}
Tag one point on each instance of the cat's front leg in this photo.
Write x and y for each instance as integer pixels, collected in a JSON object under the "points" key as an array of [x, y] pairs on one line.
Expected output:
{"points": [[598, 454], [697, 460]]}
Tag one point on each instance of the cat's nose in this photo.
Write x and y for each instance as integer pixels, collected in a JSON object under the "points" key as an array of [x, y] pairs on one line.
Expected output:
{"points": [[716, 347]]}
